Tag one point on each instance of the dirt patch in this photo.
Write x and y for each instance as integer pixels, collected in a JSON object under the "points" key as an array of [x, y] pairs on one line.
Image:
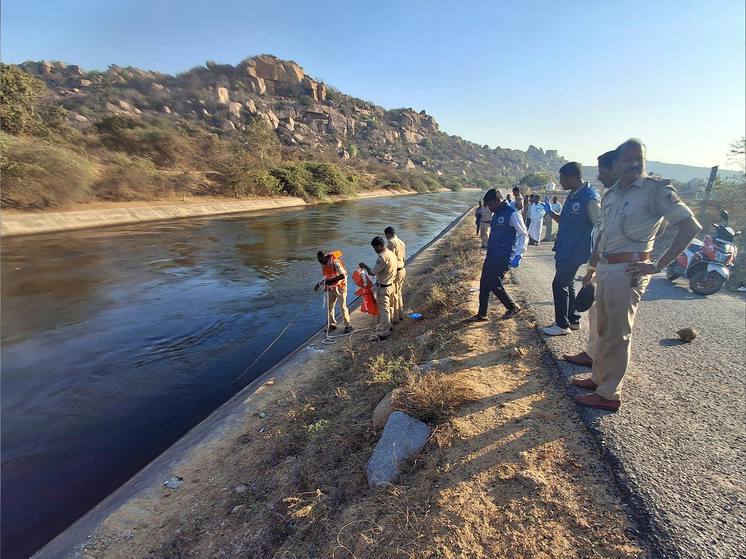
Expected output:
{"points": [[509, 471]]}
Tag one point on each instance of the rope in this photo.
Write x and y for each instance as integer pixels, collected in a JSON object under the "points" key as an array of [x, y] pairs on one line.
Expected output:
{"points": [[329, 339], [247, 369]]}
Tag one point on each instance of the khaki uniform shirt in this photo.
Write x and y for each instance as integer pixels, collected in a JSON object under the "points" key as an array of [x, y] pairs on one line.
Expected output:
{"points": [[631, 217], [486, 214], [399, 249], [385, 268]]}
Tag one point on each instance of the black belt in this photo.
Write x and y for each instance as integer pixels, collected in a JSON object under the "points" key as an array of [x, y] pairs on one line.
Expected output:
{"points": [[383, 285]]}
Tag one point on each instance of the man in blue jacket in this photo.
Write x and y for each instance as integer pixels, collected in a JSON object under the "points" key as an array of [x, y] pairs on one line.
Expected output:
{"points": [[507, 242], [573, 245]]}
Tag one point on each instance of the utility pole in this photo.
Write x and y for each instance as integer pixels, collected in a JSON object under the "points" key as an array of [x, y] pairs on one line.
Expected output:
{"points": [[708, 190]]}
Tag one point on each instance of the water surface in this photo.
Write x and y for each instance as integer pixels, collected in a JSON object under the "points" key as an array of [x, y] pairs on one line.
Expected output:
{"points": [[116, 341]]}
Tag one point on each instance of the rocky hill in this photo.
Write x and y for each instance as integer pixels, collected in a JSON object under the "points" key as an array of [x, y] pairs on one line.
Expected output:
{"points": [[307, 115]]}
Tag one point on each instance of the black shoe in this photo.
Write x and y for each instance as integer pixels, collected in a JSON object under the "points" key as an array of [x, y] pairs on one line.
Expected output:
{"points": [[477, 318], [332, 327], [348, 329], [510, 313]]}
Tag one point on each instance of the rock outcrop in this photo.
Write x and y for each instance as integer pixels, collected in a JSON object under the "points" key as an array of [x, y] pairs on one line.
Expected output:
{"points": [[302, 110]]}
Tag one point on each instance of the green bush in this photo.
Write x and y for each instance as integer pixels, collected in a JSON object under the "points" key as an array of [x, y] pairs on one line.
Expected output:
{"points": [[295, 180], [37, 174]]}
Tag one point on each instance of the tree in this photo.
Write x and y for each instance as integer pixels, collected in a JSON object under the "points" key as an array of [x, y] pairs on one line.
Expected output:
{"points": [[19, 96], [535, 180], [261, 141]]}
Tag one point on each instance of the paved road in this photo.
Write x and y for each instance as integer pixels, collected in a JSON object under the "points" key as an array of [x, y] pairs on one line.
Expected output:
{"points": [[677, 444]]}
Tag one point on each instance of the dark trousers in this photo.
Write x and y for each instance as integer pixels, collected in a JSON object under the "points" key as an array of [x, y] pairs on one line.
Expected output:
{"points": [[493, 272], [563, 291], [477, 228]]}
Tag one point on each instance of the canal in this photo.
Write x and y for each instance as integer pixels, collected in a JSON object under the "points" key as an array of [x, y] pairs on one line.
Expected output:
{"points": [[117, 341]]}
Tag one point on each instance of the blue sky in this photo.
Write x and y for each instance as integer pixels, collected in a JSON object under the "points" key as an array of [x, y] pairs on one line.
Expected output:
{"points": [[577, 76]]}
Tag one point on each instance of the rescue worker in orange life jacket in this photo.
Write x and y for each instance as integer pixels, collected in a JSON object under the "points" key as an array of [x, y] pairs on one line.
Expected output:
{"points": [[335, 285]]}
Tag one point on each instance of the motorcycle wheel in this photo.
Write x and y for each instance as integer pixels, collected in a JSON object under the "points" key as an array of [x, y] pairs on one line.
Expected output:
{"points": [[671, 275], [706, 283]]}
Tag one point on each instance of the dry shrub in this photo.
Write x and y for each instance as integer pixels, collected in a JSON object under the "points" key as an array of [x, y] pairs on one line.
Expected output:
{"points": [[434, 398], [129, 178], [385, 369], [37, 174], [438, 299]]}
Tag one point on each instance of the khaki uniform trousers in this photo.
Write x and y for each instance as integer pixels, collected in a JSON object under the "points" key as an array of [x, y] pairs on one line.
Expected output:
{"points": [[484, 233], [397, 303], [334, 295], [616, 302], [592, 329], [384, 296]]}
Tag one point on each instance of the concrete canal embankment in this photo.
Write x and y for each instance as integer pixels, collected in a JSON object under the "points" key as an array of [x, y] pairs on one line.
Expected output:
{"points": [[26, 223]]}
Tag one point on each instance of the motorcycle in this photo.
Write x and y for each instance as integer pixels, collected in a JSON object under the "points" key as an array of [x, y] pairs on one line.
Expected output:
{"points": [[706, 264]]}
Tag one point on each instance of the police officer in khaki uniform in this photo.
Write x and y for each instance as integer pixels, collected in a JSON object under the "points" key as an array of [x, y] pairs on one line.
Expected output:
{"points": [[631, 216], [397, 246], [385, 272]]}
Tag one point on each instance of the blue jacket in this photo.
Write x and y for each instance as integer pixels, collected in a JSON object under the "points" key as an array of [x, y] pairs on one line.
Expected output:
{"points": [[573, 244], [502, 234]]}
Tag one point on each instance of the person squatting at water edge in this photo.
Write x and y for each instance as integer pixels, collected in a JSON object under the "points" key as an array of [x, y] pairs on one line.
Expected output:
{"points": [[335, 285], [507, 242], [385, 273], [573, 245], [397, 246], [607, 178], [632, 215]]}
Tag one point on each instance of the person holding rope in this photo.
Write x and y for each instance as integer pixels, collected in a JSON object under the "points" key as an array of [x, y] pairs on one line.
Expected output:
{"points": [[385, 272], [335, 285]]}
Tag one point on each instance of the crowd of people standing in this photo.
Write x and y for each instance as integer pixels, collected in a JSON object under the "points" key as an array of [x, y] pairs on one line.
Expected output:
{"points": [[613, 237]]}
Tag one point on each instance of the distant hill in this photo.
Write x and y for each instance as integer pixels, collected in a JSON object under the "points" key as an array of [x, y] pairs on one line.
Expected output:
{"points": [[685, 173]]}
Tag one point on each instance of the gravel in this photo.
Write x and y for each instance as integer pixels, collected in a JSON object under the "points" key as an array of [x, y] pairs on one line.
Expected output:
{"points": [[677, 444]]}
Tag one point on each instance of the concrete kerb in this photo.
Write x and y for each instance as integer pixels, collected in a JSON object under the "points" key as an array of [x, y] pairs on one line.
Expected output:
{"points": [[642, 519], [230, 415]]}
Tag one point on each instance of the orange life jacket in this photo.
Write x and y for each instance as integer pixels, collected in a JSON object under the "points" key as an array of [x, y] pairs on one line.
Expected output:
{"points": [[330, 271], [369, 304]]}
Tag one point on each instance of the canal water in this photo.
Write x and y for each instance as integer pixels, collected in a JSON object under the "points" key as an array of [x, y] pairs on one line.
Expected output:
{"points": [[117, 341]]}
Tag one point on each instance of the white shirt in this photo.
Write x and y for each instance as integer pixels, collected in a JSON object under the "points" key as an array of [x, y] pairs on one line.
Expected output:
{"points": [[521, 235]]}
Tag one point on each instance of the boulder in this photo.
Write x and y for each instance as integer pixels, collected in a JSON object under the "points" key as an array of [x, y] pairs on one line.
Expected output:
{"points": [[409, 164], [125, 106], [221, 96], [288, 122], [383, 410], [235, 108], [166, 110], [250, 106], [84, 83], [258, 85], [402, 437], [78, 117], [228, 126]]}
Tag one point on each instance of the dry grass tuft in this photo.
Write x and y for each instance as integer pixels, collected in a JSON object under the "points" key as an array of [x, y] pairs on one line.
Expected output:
{"points": [[434, 398]]}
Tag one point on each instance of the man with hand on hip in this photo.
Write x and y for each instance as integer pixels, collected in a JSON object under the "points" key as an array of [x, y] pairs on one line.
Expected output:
{"points": [[507, 242], [632, 216]]}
